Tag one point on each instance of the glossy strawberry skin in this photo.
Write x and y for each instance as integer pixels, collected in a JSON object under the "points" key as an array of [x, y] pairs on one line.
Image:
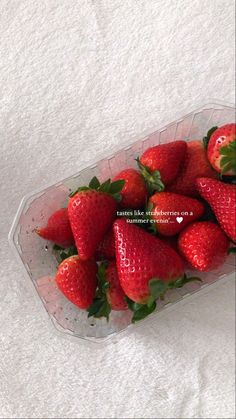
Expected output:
{"points": [[58, 229], [134, 192], [181, 206], [166, 158], [91, 214], [106, 248], [141, 257], [222, 199], [115, 294], [77, 280], [195, 165], [204, 245], [222, 137]]}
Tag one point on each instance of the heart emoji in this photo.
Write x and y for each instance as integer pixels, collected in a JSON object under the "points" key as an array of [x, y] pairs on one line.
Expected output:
{"points": [[179, 219]]}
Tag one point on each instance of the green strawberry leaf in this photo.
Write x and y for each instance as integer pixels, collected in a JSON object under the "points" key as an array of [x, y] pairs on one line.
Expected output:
{"points": [[140, 310], [232, 250], [228, 161], [227, 167], [143, 312], [105, 187], [153, 180], [180, 282], [105, 287], [117, 197], [104, 310], [130, 303], [94, 307], [206, 139], [56, 247], [99, 308], [157, 287], [62, 254], [116, 186], [152, 228], [94, 183]]}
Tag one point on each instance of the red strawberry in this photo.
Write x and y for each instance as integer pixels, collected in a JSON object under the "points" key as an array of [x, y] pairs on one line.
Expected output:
{"points": [[172, 212], [222, 199], [58, 229], [140, 257], [134, 192], [160, 164], [109, 295], [195, 165], [147, 267], [115, 294], [204, 245], [91, 213], [77, 280], [221, 149], [106, 248]]}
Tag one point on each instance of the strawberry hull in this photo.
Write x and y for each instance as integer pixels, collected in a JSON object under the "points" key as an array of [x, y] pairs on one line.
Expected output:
{"points": [[38, 259]]}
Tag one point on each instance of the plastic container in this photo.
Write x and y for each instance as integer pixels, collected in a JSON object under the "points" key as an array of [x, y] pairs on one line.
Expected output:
{"points": [[37, 256]]}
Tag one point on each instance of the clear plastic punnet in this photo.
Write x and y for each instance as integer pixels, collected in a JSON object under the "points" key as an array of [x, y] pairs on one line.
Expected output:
{"points": [[39, 261]]}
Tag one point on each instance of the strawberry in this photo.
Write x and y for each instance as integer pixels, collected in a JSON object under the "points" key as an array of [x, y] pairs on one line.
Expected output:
{"points": [[109, 295], [195, 165], [160, 164], [134, 192], [221, 149], [222, 199], [106, 248], [146, 266], [91, 213], [77, 280], [172, 212], [204, 245], [58, 229]]}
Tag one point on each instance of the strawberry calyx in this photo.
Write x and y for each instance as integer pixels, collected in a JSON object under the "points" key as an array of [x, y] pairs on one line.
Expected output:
{"points": [[100, 306], [158, 289], [62, 253], [109, 187], [152, 179], [232, 250], [206, 139], [228, 160]]}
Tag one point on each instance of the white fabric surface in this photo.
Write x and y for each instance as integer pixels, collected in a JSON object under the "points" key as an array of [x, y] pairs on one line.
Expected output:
{"points": [[78, 77]]}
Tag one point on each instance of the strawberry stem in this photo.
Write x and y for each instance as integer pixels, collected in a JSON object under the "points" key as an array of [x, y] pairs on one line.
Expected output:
{"points": [[152, 179]]}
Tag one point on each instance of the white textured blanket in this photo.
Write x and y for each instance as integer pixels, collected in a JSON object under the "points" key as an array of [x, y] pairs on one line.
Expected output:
{"points": [[78, 77]]}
